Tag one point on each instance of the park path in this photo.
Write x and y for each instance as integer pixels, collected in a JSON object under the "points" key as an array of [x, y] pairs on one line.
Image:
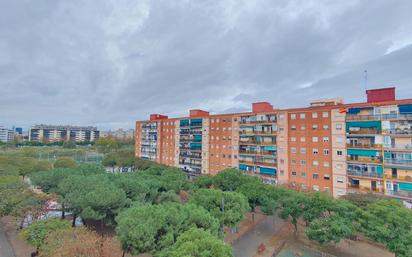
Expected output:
{"points": [[247, 245], [5, 248]]}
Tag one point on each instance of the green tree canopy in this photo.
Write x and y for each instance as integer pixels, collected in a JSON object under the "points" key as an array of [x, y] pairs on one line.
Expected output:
{"points": [[65, 162], [198, 243]]}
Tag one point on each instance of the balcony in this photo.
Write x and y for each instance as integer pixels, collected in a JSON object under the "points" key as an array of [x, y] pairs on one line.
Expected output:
{"points": [[400, 194], [254, 142], [363, 131], [394, 116], [364, 159], [363, 189], [402, 162], [398, 178], [363, 146], [398, 147], [399, 132], [359, 173], [256, 152], [251, 133]]}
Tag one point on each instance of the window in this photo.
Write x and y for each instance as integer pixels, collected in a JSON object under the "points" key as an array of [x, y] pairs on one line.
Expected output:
{"points": [[315, 188], [293, 127], [293, 116], [315, 176], [294, 173], [282, 172], [303, 162], [314, 139], [314, 127], [339, 126], [326, 177], [325, 127], [325, 139], [325, 114], [339, 139], [314, 115], [303, 174], [339, 180], [293, 161], [339, 152], [303, 139], [302, 116], [315, 151], [326, 164], [293, 139], [293, 149], [303, 150], [303, 127], [315, 163], [325, 151]]}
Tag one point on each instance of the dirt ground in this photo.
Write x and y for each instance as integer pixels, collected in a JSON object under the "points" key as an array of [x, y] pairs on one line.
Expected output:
{"points": [[20, 247], [246, 225]]}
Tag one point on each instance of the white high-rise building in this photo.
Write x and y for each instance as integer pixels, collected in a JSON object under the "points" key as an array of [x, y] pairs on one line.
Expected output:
{"points": [[6, 135]]}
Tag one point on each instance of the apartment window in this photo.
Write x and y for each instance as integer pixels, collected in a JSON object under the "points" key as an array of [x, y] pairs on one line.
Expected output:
{"points": [[302, 116], [325, 114], [235, 156], [282, 161], [293, 116], [281, 116], [303, 174], [326, 189], [339, 180], [314, 115], [326, 177], [282, 172], [303, 139], [223, 138], [293, 127], [339, 139], [315, 176], [293, 139], [281, 128], [315, 163], [314, 127], [213, 120], [303, 162], [325, 151], [339, 126], [303, 127], [293, 149], [325, 127], [282, 150], [224, 155], [294, 173], [339, 152], [315, 188], [325, 139], [293, 161], [315, 151], [314, 139], [303, 150], [326, 164]]}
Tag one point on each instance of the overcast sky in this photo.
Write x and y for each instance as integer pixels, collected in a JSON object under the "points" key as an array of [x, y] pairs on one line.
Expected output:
{"points": [[111, 62]]}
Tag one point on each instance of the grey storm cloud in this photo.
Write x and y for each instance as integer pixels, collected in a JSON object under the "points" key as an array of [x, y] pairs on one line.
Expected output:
{"points": [[111, 62]]}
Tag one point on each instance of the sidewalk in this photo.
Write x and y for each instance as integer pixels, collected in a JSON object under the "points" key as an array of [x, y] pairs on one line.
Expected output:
{"points": [[5, 248]]}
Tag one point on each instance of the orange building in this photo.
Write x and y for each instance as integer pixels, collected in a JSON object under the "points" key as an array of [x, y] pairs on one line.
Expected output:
{"points": [[328, 146]]}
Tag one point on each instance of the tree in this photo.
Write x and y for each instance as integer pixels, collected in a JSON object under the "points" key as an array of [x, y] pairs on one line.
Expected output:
{"points": [[363, 200], [317, 205], [228, 207], [292, 208], [152, 228], [65, 162], [230, 179], [198, 243], [389, 223], [37, 232], [79, 242], [107, 144], [255, 192], [330, 229]]}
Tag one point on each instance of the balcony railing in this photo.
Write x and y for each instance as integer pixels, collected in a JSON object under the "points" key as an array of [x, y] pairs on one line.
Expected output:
{"points": [[256, 152], [254, 142], [398, 131], [365, 159], [394, 116], [399, 162], [257, 121], [398, 147], [399, 178], [405, 194], [256, 163], [360, 145], [364, 189], [363, 132], [364, 174], [269, 133]]}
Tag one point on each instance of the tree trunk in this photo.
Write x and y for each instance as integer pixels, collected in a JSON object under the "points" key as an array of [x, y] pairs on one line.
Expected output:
{"points": [[74, 220], [101, 226], [296, 227], [63, 212], [124, 253]]}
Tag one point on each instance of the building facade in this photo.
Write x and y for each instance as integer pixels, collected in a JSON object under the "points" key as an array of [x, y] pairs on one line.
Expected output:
{"points": [[6, 135], [328, 146], [51, 133]]}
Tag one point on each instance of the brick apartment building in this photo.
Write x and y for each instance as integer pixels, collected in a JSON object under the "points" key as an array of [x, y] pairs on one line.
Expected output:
{"points": [[328, 146]]}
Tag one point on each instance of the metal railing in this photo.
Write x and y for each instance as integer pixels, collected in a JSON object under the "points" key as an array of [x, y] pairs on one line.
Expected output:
{"points": [[360, 145], [394, 116], [401, 178], [364, 174], [398, 161], [365, 159]]}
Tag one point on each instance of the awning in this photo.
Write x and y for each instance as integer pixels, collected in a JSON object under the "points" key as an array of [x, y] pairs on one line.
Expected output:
{"points": [[357, 110], [363, 124], [363, 152], [267, 171], [405, 108], [405, 186]]}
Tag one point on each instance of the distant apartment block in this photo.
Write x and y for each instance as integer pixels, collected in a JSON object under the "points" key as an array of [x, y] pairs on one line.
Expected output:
{"points": [[120, 134], [328, 146], [52, 133], [6, 135]]}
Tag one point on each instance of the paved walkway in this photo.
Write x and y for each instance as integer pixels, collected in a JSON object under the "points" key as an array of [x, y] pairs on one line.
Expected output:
{"points": [[5, 248], [247, 245]]}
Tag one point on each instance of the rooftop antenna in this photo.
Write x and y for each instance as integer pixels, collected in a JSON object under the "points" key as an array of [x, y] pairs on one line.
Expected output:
{"points": [[366, 79]]}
